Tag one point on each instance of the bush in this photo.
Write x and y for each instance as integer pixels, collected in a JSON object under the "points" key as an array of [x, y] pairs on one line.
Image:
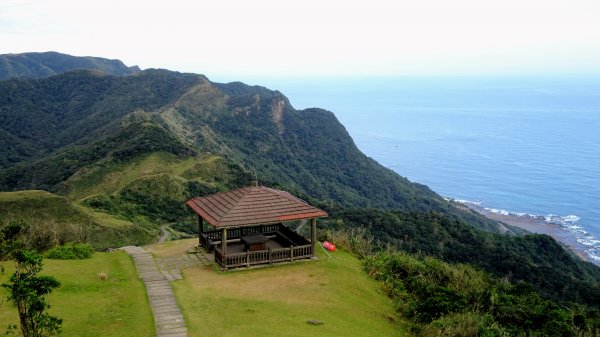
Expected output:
{"points": [[71, 251], [464, 325], [445, 299], [355, 240]]}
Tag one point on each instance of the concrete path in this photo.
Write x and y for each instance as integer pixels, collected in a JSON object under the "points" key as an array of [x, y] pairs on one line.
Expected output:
{"points": [[164, 234], [168, 319], [171, 266]]}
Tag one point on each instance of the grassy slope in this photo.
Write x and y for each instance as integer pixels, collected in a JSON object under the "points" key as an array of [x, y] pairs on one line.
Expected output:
{"points": [[88, 305], [280, 300], [36, 205], [41, 208], [107, 179]]}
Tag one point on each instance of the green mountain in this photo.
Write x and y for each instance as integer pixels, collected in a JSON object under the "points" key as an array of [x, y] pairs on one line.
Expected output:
{"points": [[39, 117], [126, 151], [36, 65], [81, 113]]}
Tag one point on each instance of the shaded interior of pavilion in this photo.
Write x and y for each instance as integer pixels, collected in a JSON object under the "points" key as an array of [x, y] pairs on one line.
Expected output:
{"points": [[247, 226]]}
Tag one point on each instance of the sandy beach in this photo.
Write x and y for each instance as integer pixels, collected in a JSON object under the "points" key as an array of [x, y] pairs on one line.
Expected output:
{"points": [[535, 225]]}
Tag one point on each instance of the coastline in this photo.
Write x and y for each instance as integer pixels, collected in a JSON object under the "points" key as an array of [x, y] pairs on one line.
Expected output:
{"points": [[533, 224]]}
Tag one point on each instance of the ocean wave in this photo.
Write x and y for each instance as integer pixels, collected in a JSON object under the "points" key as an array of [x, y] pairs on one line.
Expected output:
{"points": [[589, 243], [569, 223], [462, 201], [594, 256], [563, 220], [498, 211]]}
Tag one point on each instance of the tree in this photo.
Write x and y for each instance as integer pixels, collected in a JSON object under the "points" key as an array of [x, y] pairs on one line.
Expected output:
{"points": [[26, 289]]}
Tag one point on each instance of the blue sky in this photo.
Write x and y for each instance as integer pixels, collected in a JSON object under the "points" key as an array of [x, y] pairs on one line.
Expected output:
{"points": [[274, 38]]}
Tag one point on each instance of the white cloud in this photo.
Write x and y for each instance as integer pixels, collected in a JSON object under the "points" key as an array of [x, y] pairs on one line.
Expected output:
{"points": [[268, 37]]}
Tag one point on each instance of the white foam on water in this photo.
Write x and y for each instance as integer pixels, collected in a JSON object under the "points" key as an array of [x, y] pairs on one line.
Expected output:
{"points": [[571, 218], [569, 223], [588, 243], [498, 211], [594, 257], [468, 202]]}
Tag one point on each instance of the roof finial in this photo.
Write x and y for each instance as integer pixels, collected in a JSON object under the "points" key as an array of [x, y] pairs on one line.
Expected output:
{"points": [[255, 181]]}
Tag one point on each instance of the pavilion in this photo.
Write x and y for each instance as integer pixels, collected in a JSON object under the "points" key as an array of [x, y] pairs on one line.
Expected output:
{"points": [[248, 226]]}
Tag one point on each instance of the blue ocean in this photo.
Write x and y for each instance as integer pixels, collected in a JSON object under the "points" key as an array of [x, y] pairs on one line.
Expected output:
{"points": [[513, 145]]}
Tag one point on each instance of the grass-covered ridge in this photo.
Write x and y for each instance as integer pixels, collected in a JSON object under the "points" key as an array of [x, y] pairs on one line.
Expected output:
{"points": [[115, 202], [111, 177], [52, 220]]}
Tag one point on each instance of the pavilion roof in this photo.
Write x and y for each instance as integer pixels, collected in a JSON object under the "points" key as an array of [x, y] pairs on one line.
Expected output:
{"points": [[252, 205]]}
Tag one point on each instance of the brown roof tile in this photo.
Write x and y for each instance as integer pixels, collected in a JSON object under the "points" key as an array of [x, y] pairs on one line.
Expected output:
{"points": [[251, 206]]}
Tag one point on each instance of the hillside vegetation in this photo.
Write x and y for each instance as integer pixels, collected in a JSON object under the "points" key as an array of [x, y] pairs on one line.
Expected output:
{"points": [[537, 259], [35, 65], [121, 154], [52, 220], [442, 299], [57, 126]]}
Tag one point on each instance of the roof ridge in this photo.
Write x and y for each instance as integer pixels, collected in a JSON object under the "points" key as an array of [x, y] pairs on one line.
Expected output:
{"points": [[257, 204]]}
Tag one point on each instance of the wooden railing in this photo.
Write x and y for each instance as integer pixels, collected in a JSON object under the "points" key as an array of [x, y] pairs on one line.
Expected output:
{"points": [[248, 259]]}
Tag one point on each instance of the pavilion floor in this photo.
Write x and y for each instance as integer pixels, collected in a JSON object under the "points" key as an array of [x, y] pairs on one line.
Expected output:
{"points": [[236, 246]]}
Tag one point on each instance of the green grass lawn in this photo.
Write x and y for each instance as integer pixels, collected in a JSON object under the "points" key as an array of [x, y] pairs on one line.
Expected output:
{"points": [[279, 300], [272, 301], [89, 306]]}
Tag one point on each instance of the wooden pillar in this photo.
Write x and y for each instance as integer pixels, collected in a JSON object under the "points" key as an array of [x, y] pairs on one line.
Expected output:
{"points": [[200, 230], [224, 241], [313, 235]]}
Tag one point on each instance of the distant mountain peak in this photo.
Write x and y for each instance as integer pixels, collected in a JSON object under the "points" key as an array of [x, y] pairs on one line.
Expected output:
{"points": [[44, 64]]}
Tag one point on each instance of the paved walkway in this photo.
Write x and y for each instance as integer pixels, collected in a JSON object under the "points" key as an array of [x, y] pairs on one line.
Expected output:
{"points": [[164, 234], [171, 266], [168, 319]]}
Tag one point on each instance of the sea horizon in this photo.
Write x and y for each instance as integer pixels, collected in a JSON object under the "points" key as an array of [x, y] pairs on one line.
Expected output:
{"points": [[513, 145]]}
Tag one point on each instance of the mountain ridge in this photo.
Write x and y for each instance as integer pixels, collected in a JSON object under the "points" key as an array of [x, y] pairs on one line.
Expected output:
{"points": [[242, 125], [44, 64]]}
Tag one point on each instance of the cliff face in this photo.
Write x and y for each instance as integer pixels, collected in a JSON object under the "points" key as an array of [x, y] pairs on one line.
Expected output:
{"points": [[37, 65]]}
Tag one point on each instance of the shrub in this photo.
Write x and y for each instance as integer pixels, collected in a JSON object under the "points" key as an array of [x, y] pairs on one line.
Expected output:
{"points": [[355, 240], [458, 300], [464, 325], [71, 251]]}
